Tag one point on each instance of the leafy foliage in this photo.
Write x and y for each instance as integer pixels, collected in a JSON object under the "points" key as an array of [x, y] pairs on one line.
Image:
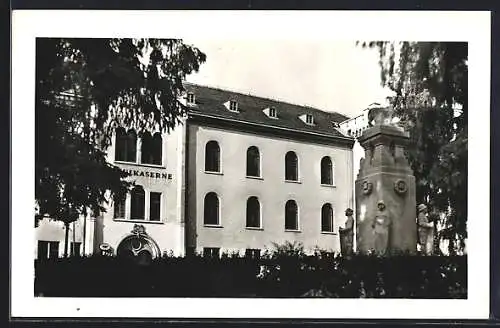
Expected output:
{"points": [[288, 249], [429, 81], [359, 276], [85, 88]]}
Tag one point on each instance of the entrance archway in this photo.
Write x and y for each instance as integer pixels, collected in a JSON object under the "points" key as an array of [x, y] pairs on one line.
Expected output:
{"points": [[138, 247]]}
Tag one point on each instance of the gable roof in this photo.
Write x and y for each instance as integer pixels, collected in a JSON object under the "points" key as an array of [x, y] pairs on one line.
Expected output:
{"points": [[210, 101]]}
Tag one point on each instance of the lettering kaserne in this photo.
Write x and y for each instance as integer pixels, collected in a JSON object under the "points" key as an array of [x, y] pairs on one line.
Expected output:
{"points": [[147, 174]]}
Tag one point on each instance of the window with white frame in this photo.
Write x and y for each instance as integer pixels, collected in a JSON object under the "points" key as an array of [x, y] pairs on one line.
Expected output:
{"points": [[233, 105], [211, 252], [190, 98], [151, 148], [125, 145], [253, 162], [137, 206], [211, 209], [138, 199], [309, 119], [291, 166], [272, 112], [291, 215], [253, 213], [212, 156], [119, 208], [154, 206], [327, 218], [326, 171]]}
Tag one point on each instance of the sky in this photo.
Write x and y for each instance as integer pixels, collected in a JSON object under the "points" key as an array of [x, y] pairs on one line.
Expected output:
{"points": [[334, 76]]}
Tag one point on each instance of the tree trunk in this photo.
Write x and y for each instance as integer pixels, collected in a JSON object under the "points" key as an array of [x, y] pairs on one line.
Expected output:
{"points": [[73, 247], [437, 240], [84, 234], [66, 225]]}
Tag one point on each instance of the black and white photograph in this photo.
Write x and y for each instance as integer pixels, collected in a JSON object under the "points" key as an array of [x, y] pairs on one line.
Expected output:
{"points": [[176, 164]]}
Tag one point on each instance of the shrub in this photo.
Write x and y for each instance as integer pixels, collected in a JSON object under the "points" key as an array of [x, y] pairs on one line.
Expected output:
{"points": [[284, 272]]}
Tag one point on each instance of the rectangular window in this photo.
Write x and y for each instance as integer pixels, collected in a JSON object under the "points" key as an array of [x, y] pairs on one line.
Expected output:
{"points": [[119, 210], [190, 98], [137, 208], [43, 250], [154, 206], [53, 249], [75, 248], [252, 253], [233, 106], [309, 119], [211, 252]]}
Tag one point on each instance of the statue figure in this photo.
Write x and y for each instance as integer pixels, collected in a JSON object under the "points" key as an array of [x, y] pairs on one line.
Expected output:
{"points": [[425, 230], [348, 231], [381, 226], [380, 116]]}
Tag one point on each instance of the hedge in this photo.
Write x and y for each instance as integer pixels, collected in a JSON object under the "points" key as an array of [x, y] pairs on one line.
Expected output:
{"points": [[281, 275]]}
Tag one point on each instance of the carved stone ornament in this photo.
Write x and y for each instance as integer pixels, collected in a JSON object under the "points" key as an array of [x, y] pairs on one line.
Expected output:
{"points": [[367, 187], [400, 187], [139, 229]]}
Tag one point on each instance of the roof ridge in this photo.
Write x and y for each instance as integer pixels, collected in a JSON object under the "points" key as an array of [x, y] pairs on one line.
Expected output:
{"points": [[240, 92]]}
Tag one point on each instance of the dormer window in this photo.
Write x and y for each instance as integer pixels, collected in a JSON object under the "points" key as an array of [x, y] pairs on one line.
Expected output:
{"points": [[309, 119], [233, 106], [272, 112], [190, 98]]}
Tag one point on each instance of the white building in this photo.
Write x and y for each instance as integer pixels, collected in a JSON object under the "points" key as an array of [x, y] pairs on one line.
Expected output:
{"points": [[241, 173]]}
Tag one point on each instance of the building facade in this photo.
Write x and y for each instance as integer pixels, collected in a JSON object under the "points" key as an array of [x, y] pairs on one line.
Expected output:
{"points": [[239, 174]]}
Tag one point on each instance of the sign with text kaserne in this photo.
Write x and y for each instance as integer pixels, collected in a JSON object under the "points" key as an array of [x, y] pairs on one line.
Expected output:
{"points": [[148, 174]]}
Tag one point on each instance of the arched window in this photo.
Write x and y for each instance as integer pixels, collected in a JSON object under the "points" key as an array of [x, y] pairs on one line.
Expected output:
{"points": [[212, 157], [291, 215], [291, 166], [138, 199], [211, 209], [131, 146], [326, 171], [253, 162], [120, 145], [253, 212], [151, 149], [327, 218]]}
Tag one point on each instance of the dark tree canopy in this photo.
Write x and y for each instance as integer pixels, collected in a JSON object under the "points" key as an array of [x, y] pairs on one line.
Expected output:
{"points": [[85, 89], [429, 81]]}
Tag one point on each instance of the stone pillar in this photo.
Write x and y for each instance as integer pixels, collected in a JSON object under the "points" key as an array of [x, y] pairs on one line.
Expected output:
{"points": [[385, 174]]}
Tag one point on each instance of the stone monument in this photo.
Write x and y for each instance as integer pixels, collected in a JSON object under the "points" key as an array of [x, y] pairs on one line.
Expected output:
{"points": [[385, 177]]}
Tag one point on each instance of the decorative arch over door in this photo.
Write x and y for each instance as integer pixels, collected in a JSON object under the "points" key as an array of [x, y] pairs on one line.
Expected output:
{"points": [[138, 246]]}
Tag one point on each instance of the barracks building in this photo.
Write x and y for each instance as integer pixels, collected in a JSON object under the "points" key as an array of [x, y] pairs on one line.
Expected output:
{"points": [[241, 173]]}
